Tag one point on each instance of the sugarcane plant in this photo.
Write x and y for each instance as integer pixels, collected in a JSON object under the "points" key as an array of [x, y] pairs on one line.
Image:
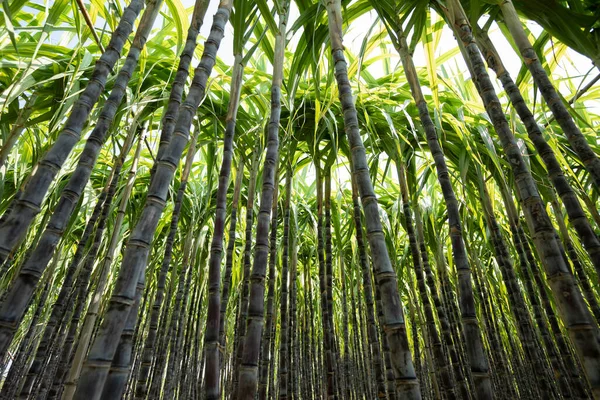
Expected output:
{"points": [[338, 202]]}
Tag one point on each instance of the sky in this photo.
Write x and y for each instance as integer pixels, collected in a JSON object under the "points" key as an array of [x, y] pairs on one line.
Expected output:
{"points": [[574, 66]]}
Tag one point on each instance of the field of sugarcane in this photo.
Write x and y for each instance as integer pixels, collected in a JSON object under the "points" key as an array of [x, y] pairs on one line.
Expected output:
{"points": [[307, 199]]}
